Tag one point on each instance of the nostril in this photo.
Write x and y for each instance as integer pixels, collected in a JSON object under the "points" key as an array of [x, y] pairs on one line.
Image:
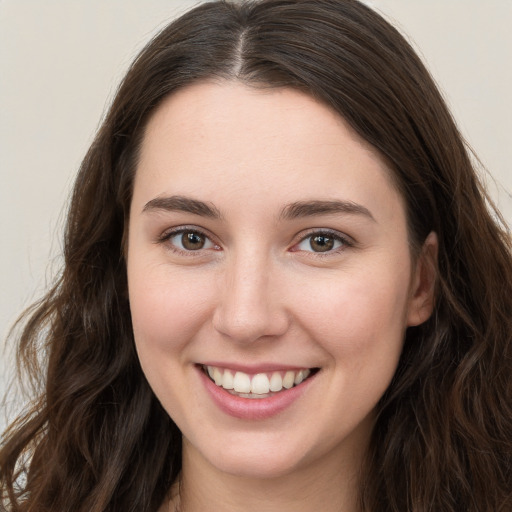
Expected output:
{"points": [[249, 307]]}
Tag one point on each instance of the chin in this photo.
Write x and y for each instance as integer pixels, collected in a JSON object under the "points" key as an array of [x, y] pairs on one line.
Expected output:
{"points": [[255, 461]]}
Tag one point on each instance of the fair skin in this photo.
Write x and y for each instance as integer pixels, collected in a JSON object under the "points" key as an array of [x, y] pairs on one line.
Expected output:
{"points": [[266, 237]]}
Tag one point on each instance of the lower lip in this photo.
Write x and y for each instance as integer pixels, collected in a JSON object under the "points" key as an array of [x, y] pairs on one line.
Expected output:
{"points": [[253, 408]]}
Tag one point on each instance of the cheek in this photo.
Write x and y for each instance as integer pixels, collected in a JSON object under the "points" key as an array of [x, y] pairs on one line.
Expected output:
{"points": [[358, 315], [166, 307], [167, 312]]}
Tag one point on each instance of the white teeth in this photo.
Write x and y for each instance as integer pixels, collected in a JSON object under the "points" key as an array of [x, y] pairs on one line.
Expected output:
{"points": [[241, 383], [217, 376], [276, 382], [301, 375], [227, 380], [288, 381], [251, 395], [260, 384]]}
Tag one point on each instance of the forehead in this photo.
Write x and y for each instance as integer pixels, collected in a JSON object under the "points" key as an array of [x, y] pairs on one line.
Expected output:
{"points": [[220, 139], [250, 116]]}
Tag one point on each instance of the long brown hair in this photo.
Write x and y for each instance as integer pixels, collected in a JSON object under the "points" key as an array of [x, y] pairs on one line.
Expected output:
{"points": [[97, 439]]}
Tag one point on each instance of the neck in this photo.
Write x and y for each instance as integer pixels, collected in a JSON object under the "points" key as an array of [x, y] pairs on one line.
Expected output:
{"points": [[330, 485]]}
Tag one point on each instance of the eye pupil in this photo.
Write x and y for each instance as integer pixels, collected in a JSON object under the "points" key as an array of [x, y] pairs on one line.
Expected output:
{"points": [[321, 243], [192, 241]]}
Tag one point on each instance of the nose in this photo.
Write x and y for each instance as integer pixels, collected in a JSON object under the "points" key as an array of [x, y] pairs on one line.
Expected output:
{"points": [[251, 302]]}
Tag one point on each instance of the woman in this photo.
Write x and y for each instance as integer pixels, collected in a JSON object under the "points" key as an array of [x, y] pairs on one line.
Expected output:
{"points": [[282, 287]]}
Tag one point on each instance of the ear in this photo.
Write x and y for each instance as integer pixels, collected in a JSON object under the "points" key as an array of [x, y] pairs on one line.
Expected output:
{"points": [[423, 284]]}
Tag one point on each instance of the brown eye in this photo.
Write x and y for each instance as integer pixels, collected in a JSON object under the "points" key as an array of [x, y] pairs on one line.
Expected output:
{"points": [[192, 241], [189, 240], [321, 243]]}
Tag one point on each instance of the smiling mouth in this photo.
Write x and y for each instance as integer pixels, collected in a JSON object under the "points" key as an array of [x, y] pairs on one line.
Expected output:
{"points": [[259, 385]]}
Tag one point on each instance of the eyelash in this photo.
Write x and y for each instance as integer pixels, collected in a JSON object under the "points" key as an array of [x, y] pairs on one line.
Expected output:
{"points": [[169, 235], [344, 241]]}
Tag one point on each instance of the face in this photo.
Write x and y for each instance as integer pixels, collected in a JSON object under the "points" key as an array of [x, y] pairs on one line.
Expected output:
{"points": [[270, 277]]}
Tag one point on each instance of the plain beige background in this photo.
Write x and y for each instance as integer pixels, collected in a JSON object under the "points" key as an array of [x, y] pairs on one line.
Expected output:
{"points": [[60, 61]]}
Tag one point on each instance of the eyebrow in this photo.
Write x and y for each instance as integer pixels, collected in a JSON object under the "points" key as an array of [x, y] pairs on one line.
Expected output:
{"points": [[310, 208], [182, 204], [292, 211]]}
